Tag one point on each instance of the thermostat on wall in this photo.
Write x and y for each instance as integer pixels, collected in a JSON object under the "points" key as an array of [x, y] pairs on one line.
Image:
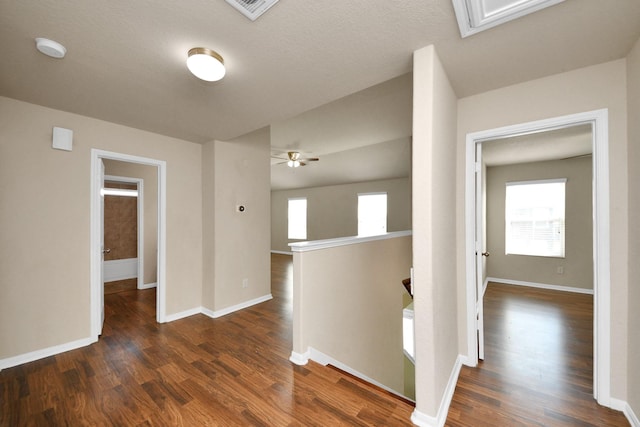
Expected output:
{"points": [[62, 139]]}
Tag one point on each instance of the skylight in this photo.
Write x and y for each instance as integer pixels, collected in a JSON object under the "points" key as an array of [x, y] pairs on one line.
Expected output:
{"points": [[479, 15]]}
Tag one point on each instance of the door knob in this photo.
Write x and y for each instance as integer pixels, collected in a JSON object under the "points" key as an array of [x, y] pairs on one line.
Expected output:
{"points": [[485, 254], [106, 251]]}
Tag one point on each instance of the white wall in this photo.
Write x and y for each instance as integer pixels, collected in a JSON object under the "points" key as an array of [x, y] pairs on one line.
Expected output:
{"points": [[236, 243], [332, 211], [586, 89], [434, 231], [45, 194], [633, 93], [578, 261]]}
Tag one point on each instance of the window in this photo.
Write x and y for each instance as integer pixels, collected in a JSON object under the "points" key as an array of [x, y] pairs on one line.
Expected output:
{"points": [[534, 217], [372, 214], [297, 218]]}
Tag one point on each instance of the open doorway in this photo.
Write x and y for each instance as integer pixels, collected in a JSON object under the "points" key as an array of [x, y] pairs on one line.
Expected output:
{"points": [[98, 159], [597, 120]]}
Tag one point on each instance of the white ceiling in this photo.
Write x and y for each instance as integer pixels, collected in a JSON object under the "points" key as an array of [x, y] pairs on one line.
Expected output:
{"points": [[126, 59]]}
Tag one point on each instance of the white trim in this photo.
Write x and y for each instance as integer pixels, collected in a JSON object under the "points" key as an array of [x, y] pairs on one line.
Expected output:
{"points": [[182, 314], [300, 359], [344, 241], [223, 312], [324, 360], [281, 252], [471, 21], [540, 285], [45, 352], [631, 416], [601, 235], [120, 269], [95, 250], [148, 285], [140, 212], [421, 419]]}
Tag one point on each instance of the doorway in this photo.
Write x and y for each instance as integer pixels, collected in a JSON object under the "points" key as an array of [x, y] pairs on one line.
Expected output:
{"points": [[97, 285], [598, 120]]}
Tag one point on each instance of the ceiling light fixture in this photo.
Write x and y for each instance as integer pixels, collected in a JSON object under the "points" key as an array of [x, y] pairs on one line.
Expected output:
{"points": [[293, 163], [51, 48], [205, 64]]}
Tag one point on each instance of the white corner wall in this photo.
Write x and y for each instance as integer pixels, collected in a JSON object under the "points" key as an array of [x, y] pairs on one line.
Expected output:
{"points": [[434, 236]]}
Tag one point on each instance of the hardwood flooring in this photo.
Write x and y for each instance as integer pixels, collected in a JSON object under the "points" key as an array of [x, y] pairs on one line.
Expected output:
{"points": [[538, 367], [197, 371], [234, 371]]}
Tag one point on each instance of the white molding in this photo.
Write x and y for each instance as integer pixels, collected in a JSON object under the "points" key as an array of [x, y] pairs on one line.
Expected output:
{"points": [[471, 23], [324, 360], [120, 269], [45, 352], [281, 252], [422, 419], [96, 287], [182, 314], [631, 416], [598, 119], [148, 285], [540, 285], [300, 359], [223, 312], [139, 182], [314, 245]]}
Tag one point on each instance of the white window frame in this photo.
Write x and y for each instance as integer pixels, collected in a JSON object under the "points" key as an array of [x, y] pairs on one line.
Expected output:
{"points": [[293, 233], [509, 248], [362, 231]]}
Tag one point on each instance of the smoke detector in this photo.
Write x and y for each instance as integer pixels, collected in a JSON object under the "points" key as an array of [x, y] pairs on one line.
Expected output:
{"points": [[50, 48], [252, 9]]}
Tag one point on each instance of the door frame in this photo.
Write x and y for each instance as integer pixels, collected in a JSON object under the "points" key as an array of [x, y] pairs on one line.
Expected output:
{"points": [[139, 182], [599, 120], [96, 285]]}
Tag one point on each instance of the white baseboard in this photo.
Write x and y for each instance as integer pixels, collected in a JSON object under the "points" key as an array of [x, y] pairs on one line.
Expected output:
{"points": [[282, 252], [45, 352], [424, 420], [223, 312], [120, 269], [299, 358], [541, 285], [324, 360], [148, 286], [181, 315], [631, 416]]}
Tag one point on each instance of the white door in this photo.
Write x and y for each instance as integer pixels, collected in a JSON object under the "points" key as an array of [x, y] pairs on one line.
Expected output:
{"points": [[480, 252], [102, 248]]}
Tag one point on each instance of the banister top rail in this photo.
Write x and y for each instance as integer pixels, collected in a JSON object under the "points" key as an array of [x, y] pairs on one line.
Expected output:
{"points": [[313, 245]]}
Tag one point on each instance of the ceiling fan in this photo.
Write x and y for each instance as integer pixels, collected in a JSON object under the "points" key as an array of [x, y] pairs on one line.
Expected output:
{"points": [[294, 159]]}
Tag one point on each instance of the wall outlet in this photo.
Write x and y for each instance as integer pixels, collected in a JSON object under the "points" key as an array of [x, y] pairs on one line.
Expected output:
{"points": [[560, 270], [245, 283]]}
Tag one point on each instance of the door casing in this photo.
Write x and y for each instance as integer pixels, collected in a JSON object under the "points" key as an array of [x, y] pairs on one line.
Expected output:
{"points": [[96, 285], [601, 236]]}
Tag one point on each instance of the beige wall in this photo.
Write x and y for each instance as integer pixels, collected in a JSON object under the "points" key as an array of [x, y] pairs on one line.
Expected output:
{"points": [[236, 243], [149, 175], [348, 303], [332, 211], [578, 260], [633, 93], [586, 89], [45, 193], [434, 229]]}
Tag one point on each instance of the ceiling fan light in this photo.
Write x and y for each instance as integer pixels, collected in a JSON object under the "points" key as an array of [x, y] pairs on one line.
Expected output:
{"points": [[205, 64], [293, 163]]}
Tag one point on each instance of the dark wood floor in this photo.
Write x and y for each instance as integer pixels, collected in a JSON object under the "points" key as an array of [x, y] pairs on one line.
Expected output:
{"points": [[231, 371], [538, 367]]}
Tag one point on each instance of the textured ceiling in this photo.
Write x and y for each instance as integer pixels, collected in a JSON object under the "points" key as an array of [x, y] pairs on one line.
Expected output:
{"points": [[126, 59]]}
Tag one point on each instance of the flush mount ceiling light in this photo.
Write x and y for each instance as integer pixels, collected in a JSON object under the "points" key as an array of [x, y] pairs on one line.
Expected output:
{"points": [[50, 48], [205, 64]]}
